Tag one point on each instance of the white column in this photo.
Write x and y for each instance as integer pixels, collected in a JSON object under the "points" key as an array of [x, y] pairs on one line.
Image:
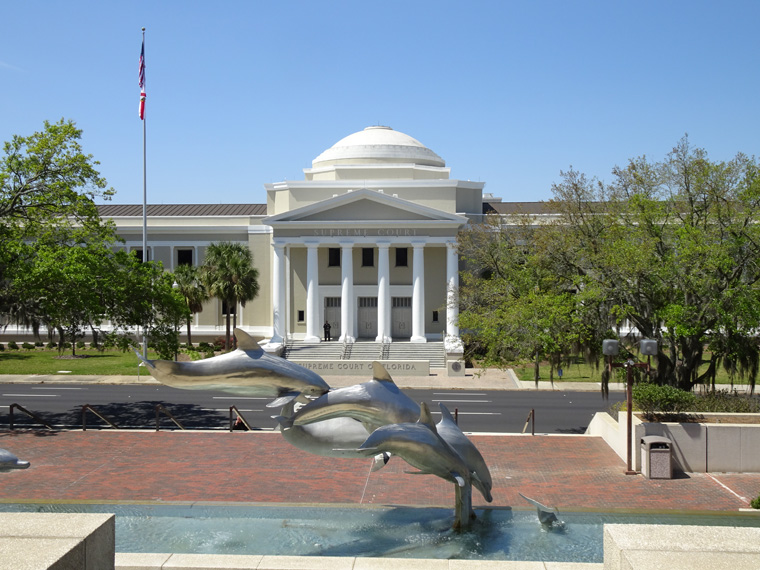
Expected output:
{"points": [[347, 293], [418, 293], [452, 341], [383, 293], [312, 292], [278, 294]]}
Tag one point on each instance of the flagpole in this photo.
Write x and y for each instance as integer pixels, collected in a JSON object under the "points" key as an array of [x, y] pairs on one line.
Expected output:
{"points": [[145, 196]]}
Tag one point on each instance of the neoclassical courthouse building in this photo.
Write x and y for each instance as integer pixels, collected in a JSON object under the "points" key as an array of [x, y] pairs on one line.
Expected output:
{"points": [[366, 242]]}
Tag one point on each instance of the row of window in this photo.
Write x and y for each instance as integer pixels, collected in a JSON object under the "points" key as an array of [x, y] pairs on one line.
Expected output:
{"points": [[368, 257], [185, 256]]}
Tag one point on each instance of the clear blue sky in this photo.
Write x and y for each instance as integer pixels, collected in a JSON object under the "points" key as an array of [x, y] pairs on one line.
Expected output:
{"points": [[241, 93]]}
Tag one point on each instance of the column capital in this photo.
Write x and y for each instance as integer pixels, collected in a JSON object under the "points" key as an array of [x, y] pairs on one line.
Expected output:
{"points": [[280, 243]]}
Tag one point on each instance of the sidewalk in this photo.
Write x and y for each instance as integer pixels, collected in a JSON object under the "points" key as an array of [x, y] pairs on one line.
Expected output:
{"points": [[474, 379], [569, 472]]}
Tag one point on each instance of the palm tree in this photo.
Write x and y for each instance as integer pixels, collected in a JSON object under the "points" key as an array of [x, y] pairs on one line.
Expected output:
{"points": [[229, 275], [188, 283]]}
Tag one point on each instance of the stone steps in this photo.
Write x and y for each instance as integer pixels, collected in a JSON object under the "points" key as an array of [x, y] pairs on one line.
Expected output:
{"points": [[433, 352]]}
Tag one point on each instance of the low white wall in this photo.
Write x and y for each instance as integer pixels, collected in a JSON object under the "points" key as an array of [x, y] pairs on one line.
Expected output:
{"points": [[697, 447]]}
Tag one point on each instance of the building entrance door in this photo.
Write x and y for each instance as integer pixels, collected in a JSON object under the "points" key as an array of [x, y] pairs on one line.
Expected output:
{"points": [[367, 317], [332, 316], [401, 317]]}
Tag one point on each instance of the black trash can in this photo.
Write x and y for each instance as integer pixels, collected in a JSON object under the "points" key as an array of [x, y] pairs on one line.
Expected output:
{"points": [[656, 457]]}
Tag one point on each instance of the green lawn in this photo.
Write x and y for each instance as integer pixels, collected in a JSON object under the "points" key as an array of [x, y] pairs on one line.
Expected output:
{"points": [[42, 361], [586, 373]]}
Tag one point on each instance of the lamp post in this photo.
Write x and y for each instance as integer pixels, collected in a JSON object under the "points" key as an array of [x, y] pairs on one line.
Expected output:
{"points": [[612, 348]]}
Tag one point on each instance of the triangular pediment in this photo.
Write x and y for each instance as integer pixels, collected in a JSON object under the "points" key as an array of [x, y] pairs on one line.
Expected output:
{"points": [[364, 206]]}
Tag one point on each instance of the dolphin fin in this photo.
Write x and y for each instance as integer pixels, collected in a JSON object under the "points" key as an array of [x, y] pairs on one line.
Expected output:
{"points": [[380, 373], [283, 400], [445, 413], [426, 417], [458, 478], [246, 341], [285, 423], [380, 461]]}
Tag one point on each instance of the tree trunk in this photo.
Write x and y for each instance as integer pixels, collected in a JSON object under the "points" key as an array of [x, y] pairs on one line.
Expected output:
{"points": [[189, 338]]}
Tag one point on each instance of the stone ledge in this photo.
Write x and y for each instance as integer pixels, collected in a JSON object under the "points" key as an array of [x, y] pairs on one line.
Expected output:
{"points": [[641, 547], [57, 541]]}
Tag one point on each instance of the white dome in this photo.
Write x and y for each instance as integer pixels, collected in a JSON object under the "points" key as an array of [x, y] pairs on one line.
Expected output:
{"points": [[378, 144]]}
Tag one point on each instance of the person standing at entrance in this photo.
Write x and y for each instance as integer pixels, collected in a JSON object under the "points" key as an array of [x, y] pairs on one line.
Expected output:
{"points": [[327, 328]]}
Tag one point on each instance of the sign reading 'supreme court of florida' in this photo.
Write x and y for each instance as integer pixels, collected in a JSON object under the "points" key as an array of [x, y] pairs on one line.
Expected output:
{"points": [[359, 367]]}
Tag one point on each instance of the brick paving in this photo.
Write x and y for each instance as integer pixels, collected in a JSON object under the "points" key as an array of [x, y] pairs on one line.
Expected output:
{"points": [[570, 472]]}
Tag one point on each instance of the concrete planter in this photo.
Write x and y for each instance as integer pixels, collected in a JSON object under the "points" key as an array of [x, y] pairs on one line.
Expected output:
{"points": [[723, 445]]}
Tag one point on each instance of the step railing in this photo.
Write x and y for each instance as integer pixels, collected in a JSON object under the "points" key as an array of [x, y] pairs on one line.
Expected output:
{"points": [[88, 407], [161, 409], [28, 413]]}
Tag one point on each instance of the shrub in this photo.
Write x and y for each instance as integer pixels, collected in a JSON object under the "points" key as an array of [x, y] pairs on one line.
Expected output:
{"points": [[51, 345], [80, 344], [755, 504], [2, 347], [204, 346], [12, 345], [27, 346], [220, 343], [651, 398], [728, 402], [39, 343]]}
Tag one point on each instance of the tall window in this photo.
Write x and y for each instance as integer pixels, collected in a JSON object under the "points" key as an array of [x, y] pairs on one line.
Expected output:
{"points": [[139, 254], [402, 257], [333, 257], [184, 257], [227, 310], [368, 257]]}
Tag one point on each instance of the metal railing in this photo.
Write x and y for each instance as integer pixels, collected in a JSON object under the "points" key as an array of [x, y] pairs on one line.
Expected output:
{"points": [[159, 409], [28, 413], [531, 420], [94, 411], [240, 419]]}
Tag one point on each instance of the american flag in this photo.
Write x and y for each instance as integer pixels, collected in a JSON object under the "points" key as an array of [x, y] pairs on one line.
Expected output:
{"points": [[142, 81]]}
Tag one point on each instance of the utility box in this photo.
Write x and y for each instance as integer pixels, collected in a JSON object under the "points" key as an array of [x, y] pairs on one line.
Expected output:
{"points": [[656, 457]]}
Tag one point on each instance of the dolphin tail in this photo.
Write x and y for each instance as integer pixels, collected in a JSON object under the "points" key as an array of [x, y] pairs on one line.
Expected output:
{"points": [[145, 361]]}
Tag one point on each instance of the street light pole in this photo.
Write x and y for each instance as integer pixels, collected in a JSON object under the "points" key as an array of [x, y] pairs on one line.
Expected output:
{"points": [[612, 348]]}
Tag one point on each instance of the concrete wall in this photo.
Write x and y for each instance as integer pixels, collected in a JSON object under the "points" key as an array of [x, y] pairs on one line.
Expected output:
{"points": [[697, 448], [57, 541]]}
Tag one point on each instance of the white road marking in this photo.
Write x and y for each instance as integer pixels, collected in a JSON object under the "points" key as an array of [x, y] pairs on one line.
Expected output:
{"points": [[466, 401], [56, 388], [238, 398], [33, 395], [457, 394]]}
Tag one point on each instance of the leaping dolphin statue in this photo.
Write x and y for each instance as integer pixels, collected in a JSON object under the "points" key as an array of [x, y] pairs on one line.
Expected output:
{"points": [[376, 403], [337, 437], [420, 446], [246, 371], [449, 430], [9, 462]]}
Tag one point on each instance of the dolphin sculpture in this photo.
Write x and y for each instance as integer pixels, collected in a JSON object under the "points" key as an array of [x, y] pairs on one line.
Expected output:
{"points": [[376, 403], [336, 437], [246, 371], [9, 462], [449, 430], [420, 446], [547, 516]]}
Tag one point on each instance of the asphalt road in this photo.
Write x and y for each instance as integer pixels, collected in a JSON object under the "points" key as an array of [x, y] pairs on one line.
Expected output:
{"points": [[134, 406]]}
